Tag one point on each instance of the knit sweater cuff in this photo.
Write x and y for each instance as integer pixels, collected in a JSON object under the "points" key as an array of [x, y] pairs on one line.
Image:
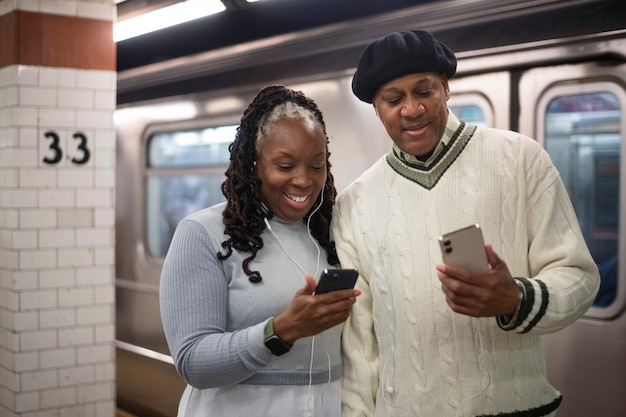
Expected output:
{"points": [[532, 302], [508, 322]]}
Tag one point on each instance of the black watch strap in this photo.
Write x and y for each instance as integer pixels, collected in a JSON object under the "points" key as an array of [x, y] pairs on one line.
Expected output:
{"points": [[274, 343]]}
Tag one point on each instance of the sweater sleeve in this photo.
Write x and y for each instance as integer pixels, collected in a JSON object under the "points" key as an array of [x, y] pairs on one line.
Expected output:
{"points": [[359, 347], [194, 305], [565, 279]]}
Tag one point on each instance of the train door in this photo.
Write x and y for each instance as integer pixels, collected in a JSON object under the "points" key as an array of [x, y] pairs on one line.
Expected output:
{"points": [[577, 112], [165, 170]]}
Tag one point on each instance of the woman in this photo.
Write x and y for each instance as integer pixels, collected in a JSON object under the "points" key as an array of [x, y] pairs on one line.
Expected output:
{"points": [[245, 329]]}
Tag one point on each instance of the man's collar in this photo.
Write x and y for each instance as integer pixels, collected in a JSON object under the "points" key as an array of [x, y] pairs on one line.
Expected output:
{"points": [[451, 126]]}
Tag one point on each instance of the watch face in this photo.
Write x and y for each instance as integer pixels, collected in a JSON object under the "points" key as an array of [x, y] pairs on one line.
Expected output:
{"points": [[277, 346]]}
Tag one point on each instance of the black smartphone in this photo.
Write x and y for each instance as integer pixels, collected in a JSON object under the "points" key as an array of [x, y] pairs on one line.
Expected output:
{"points": [[465, 248], [336, 279]]}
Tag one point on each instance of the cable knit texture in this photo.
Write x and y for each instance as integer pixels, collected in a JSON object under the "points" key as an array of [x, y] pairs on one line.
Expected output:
{"points": [[406, 353]]}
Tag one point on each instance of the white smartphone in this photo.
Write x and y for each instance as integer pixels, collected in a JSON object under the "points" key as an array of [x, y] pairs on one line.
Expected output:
{"points": [[464, 248]]}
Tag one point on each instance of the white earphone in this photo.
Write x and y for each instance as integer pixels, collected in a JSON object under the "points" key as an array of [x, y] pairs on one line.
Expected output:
{"points": [[269, 227], [308, 412]]}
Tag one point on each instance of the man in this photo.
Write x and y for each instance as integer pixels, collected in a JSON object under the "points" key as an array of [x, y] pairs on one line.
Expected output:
{"points": [[433, 340]]}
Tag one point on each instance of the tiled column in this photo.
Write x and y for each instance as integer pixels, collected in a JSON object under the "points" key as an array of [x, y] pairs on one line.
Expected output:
{"points": [[57, 156]]}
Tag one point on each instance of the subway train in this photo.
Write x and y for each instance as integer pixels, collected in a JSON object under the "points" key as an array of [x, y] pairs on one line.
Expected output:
{"points": [[553, 70]]}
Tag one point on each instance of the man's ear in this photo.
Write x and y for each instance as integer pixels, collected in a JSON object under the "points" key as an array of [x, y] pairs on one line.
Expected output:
{"points": [[375, 109], [446, 86]]}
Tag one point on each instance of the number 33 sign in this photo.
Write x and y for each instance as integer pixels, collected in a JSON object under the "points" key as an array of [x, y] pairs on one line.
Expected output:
{"points": [[54, 154]]}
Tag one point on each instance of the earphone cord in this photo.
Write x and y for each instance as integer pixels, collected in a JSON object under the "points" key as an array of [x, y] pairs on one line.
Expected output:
{"points": [[480, 354], [319, 252], [308, 227]]}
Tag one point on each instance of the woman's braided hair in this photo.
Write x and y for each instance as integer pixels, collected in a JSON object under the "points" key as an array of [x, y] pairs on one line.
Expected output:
{"points": [[244, 214]]}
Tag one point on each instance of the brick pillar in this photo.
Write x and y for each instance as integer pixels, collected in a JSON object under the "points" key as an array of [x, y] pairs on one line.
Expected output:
{"points": [[57, 157]]}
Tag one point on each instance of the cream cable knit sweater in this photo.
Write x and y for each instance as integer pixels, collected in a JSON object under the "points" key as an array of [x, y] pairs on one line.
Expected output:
{"points": [[406, 353]]}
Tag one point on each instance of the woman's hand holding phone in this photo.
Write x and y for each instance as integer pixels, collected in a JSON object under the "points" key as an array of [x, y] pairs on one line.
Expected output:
{"points": [[310, 312]]}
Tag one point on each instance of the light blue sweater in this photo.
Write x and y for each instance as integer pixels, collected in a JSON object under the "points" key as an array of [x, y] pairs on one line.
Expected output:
{"points": [[214, 317]]}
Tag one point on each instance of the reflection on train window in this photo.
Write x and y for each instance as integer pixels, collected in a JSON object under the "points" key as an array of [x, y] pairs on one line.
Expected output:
{"points": [[185, 173], [470, 113], [583, 137], [204, 147]]}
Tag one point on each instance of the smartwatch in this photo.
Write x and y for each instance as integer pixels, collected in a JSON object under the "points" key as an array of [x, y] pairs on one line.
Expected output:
{"points": [[274, 343]]}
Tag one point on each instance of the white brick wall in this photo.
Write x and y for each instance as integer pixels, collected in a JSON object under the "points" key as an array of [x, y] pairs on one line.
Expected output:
{"points": [[57, 294], [91, 9]]}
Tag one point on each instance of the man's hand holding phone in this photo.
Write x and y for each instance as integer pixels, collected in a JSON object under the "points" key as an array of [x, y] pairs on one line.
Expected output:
{"points": [[475, 281]]}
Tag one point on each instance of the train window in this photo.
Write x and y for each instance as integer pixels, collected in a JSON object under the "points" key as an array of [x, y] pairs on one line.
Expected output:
{"points": [[482, 99], [185, 173], [582, 134], [471, 108], [469, 113]]}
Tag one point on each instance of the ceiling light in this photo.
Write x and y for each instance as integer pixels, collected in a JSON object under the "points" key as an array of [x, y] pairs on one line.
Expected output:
{"points": [[165, 17]]}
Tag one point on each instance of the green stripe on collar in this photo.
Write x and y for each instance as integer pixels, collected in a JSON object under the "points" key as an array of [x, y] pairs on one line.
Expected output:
{"points": [[429, 176]]}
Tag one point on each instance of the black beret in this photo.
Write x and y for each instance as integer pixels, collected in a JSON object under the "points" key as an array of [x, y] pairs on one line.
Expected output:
{"points": [[398, 54]]}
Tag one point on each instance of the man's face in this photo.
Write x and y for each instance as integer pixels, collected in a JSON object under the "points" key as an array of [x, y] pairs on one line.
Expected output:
{"points": [[413, 110]]}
